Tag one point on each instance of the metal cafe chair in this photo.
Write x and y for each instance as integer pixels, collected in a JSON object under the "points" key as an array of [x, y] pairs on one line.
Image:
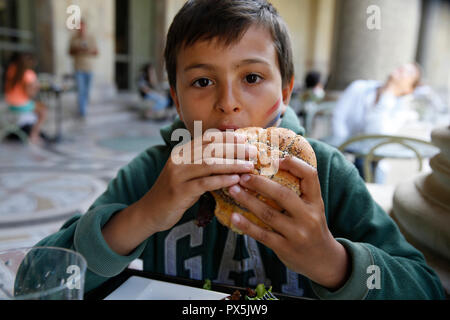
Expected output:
{"points": [[8, 126], [314, 109], [404, 148]]}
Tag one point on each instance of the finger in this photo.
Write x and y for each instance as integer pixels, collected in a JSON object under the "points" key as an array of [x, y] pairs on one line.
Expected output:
{"points": [[185, 152], [309, 178], [273, 218], [282, 195], [227, 151], [216, 166], [270, 239], [201, 185], [198, 144]]}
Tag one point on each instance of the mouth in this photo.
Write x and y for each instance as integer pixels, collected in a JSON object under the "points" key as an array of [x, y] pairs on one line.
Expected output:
{"points": [[228, 127]]}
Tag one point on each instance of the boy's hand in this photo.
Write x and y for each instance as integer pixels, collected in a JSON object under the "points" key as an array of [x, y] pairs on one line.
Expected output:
{"points": [[180, 185], [301, 238]]}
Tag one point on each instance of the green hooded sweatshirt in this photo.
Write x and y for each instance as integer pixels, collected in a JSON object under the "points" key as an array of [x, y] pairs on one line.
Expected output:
{"points": [[383, 264]]}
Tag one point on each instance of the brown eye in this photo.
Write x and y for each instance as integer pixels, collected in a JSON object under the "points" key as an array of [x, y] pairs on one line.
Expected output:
{"points": [[203, 82], [252, 78]]}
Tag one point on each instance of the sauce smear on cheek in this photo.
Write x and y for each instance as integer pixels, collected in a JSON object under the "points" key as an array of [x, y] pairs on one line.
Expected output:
{"points": [[271, 111]]}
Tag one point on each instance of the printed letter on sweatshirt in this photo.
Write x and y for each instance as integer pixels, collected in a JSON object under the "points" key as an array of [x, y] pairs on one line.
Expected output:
{"points": [[194, 264]]}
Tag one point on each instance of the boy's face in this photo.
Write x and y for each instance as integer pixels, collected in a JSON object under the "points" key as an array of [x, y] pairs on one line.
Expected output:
{"points": [[230, 87]]}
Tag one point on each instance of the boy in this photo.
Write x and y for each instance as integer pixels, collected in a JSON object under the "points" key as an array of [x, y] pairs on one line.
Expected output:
{"points": [[229, 64]]}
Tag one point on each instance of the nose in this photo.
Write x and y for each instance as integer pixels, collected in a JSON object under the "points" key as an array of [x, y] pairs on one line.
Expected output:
{"points": [[226, 101]]}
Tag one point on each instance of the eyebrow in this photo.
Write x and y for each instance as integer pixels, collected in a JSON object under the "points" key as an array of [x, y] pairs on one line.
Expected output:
{"points": [[240, 64], [199, 66], [252, 61]]}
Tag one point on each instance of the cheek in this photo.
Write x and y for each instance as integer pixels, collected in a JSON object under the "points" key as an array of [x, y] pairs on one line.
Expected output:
{"points": [[274, 108], [190, 104], [195, 107], [266, 103]]}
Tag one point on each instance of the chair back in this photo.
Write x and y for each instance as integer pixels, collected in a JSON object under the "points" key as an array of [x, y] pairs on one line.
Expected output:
{"points": [[372, 143], [8, 125], [313, 109]]}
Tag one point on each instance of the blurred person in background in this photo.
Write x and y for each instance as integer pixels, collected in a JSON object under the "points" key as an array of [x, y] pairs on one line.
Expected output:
{"points": [[21, 89], [313, 91], [313, 87], [311, 95], [150, 89], [373, 107], [429, 105], [83, 48]]}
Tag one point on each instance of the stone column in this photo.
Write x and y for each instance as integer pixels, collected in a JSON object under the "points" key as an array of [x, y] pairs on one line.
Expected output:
{"points": [[421, 208], [434, 44], [322, 34], [141, 37], [44, 33], [159, 37], [372, 37]]}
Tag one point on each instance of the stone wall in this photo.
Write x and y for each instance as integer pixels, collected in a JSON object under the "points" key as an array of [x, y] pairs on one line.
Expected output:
{"points": [[364, 50]]}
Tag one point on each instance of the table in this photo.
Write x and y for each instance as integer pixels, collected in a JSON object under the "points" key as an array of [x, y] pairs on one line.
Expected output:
{"points": [[56, 92], [378, 147], [113, 283], [50, 88]]}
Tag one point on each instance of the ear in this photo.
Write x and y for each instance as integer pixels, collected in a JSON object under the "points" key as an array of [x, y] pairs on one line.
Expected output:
{"points": [[287, 92], [173, 94]]}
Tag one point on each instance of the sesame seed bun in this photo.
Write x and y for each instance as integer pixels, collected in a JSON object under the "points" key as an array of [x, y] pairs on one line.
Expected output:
{"points": [[272, 144]]}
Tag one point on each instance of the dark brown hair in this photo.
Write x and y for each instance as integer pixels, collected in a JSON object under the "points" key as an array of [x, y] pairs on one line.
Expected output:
{"points": [[22, 62], [227, 20]]}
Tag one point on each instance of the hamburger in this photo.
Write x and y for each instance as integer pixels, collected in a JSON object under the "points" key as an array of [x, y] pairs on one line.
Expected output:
{"points": [[272, 144]]}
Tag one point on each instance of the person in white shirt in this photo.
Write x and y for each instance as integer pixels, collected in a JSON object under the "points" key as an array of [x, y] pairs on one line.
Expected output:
{"points": [[373, 107]]}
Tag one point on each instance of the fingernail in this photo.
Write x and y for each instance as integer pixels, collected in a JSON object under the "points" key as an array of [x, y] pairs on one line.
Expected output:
{"points": [[252, 151], [250, 166], [235, 189], [235, 178], [235, 218], [245, 178]]}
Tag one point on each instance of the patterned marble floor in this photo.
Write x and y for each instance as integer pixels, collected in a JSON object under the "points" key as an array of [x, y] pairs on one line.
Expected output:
{"points": [[40, 188]]}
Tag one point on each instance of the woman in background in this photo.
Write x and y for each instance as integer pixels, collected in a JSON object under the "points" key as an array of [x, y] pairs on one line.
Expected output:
{"points": [[21, 88]]}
